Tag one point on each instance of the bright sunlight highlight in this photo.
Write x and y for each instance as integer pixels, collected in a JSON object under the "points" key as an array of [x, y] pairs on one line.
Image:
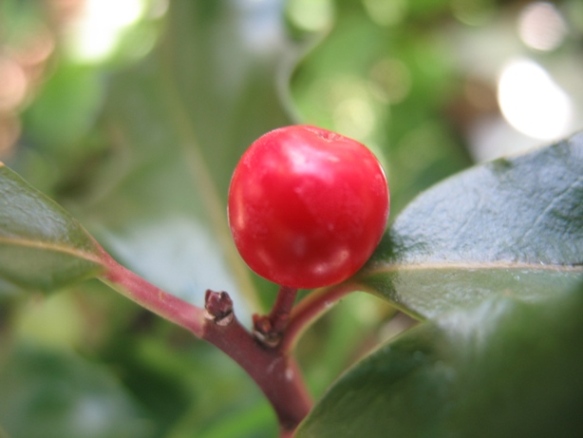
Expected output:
{"points": [[98, 28], [532, 102]]}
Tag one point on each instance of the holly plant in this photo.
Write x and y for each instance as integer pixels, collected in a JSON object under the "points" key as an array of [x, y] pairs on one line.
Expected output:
{"points": [[490, 269], [478, 277]]}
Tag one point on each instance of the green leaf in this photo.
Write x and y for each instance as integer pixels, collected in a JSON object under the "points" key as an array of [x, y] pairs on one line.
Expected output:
{"points": [[76, 91], [179, 121], [41, 245], [511, 227], [504, 369], [250, 418], [48, 393]]}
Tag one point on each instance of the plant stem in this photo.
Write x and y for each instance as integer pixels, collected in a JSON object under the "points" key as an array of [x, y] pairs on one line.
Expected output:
{"points": [[153, 298], [280, 313], [273, 370], [266, 358], [312, 307]]}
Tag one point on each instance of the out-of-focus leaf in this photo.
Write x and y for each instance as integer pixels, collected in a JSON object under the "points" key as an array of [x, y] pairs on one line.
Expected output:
{"points": [[41, 245], [249, 417], [64, 110], [506, 369], [340, 338], [189, 389], [49, 394], [178, 123], [17, 19], [512, 227]]}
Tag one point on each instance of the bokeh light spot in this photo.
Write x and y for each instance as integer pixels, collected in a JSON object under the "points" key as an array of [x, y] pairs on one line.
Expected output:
{"points": [[532, 102], [390, 80], [355, 118], [472, 12], [541, 26], [311, 15], [386, 13], [13, 84], [96, 31]]}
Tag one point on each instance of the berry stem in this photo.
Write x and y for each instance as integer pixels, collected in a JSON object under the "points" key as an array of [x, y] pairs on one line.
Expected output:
{"points": [[280, 313], [312, 307], [269, 329]]}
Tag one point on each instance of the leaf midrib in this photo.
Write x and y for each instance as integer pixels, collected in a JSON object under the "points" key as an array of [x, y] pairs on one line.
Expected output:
{"points": [[49, 247], [469, 266]]}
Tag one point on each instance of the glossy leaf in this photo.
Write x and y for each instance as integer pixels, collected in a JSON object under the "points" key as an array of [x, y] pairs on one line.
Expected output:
{"points": [[512, 227], [41, 245], [506, 369]]}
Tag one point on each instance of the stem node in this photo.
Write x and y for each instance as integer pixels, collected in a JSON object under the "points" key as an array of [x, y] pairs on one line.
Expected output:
{"points": [[269, 329], [264, 332]]}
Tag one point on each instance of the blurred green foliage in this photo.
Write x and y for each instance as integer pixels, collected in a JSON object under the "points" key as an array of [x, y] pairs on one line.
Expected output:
{"points": [[140, 143]]}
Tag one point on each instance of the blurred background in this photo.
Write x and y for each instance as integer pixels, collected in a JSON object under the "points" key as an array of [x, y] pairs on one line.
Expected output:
{"points": [[132, 114]]}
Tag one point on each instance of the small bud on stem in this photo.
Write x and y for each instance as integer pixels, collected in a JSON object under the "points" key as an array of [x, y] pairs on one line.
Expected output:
{"points": [[218, 307]]}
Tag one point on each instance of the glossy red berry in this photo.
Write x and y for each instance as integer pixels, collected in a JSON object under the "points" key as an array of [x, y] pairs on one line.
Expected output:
{"points": [[307, 207]]}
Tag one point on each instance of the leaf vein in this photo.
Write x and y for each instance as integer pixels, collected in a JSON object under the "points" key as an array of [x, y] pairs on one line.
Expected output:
{"points": [[49, 246], [473, 266], [576, 184]]}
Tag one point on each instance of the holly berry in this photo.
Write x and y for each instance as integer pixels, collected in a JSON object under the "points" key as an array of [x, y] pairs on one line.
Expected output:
{"points": [[307, 207]]}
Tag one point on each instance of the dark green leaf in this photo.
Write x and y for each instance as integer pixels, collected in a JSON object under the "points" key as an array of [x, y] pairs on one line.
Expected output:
{"points": [[504, 369], [41, 245], [511, 227]]}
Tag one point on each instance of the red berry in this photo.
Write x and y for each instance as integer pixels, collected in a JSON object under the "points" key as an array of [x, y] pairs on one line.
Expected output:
{"points": [[307, 207]]}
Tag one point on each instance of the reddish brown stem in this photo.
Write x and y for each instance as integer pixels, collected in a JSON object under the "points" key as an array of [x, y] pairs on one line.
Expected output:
{"points": [[153, 298], [274, 371], [312, 307], [280, 313]]}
